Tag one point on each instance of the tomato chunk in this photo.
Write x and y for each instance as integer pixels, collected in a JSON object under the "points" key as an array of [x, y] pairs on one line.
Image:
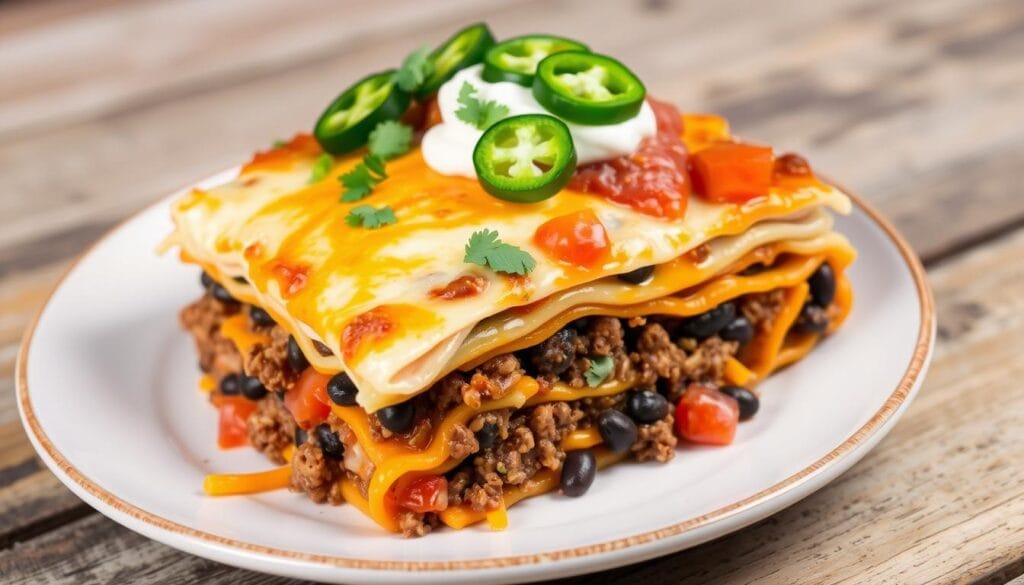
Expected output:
{"points": [[578, 238], [231, 425], [307, 400], [425, 494], [705, 415], [732, 172]]}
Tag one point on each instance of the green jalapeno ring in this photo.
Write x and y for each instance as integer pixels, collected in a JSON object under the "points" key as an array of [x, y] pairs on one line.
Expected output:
{"points": [[525, 159], [588, 88], [516, 59], [346, 124], [461, 50]]}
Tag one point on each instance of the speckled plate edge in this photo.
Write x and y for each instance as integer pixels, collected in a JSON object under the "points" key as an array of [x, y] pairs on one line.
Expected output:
{"points": [[571, 561]]}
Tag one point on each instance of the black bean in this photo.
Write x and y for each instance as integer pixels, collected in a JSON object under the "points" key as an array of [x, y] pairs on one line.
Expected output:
{"points": [[300, 436], [330, 444], [578, 472], [555, 354], [707, 324], [252, 388], [296, 359], [823, 285], [747, 400], [647, 406], [259, 317], [230, 385], [206, 280], [618, 430], [812, 319], [397, 418], [240, 280], [342, 390], [221, 294], [739, 329], [638, 276], [487, 435]]}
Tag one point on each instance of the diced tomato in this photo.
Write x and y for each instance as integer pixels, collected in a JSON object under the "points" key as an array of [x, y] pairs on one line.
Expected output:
{"points": [[705, 415], [578, 238], [425, 494], [653, 180], [231, 426], [307, 400], [732, 172]]}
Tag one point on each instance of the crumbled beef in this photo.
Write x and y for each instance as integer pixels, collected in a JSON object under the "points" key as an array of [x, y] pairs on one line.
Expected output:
{"points": [[203, 318], [269, 362], [271, 428], [761, 308], [655, 441], [315, 475], [656, 356], [463, 443], [413, 524]]}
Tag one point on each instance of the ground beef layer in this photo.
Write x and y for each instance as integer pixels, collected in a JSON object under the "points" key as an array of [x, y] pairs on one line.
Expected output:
{"points": [[648, 353]]}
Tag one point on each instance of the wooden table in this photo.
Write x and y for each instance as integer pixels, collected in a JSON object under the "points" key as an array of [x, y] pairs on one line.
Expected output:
{"points": [[917, 105]]}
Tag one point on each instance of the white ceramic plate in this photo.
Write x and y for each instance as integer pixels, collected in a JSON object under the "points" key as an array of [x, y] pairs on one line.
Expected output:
{"points": [[107, 391]]}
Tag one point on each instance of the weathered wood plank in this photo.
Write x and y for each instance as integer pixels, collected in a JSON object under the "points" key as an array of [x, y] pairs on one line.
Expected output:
{"points": [[96, 550], [217, 45]]}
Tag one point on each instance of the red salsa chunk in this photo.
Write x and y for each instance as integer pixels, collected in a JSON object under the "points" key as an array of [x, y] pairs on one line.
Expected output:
{"points": [[653, 180], [468, 285]]}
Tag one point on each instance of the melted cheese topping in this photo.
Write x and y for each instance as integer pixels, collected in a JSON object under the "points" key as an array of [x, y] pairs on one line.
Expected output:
{"points": [[366, 294]]}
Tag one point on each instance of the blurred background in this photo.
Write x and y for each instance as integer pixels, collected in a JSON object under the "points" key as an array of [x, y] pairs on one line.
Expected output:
{"points": [[918, 105]]}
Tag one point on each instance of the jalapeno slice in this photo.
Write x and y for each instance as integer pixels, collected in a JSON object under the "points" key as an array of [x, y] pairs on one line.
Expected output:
{"points": [[587, 88], [516, 59], [525, 159], [464, 48], [346, 124]]}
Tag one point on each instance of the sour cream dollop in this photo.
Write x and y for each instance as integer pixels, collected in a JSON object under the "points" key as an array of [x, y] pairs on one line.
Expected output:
{"points": [[448, 146]]}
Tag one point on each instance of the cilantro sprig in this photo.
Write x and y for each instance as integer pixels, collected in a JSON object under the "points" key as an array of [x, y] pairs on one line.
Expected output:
{"points": [[600, 368], [415, 69], [486, 249], [370, 217], [481, 114], [388, 140]]}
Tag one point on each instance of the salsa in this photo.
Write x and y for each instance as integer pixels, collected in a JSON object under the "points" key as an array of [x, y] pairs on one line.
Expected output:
{"points": [[653, 180]]}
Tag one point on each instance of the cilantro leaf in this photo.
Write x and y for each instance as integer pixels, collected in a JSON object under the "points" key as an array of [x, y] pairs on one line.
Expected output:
{"points": [[479, 113], [414, 70], [360, 181], [390, 139], [321, 167], [278, 144], [369, 217], [599, 370], [484, 248]]}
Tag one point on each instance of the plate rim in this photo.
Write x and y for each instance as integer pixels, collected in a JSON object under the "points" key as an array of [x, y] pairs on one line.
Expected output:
{"points": [[865, 435]]}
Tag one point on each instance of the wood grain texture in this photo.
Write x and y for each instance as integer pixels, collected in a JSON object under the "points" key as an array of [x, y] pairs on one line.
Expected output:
{"points": [[917, 105]]}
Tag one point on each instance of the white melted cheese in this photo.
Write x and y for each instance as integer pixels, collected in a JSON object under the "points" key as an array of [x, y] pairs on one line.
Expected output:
{"points": [[448, 147]]}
